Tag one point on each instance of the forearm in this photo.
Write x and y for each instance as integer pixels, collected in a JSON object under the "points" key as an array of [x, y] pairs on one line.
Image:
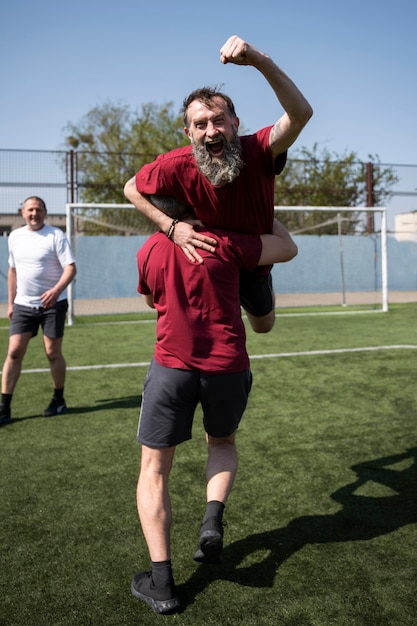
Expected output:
{"points": [[145, 207], [148, 297], [67, 277], [278, 247], [50, 297], [11, 285], [280, 231], [290, 97], [183, 235]]}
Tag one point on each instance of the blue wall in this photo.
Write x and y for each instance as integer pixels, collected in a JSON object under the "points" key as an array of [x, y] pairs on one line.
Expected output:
{"points": [[107, 266]]}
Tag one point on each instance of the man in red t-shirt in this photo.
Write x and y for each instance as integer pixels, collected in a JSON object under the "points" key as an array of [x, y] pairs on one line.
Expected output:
{"points": [[200, 357], [228, 179]]}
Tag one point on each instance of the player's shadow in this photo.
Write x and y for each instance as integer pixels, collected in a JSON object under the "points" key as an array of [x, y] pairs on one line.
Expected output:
{"points": [[360, 518], [125, 402]]}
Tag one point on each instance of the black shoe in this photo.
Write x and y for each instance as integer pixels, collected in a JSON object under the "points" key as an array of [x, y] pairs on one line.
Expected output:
{"points": [[211, 542], [56, 407], [5, 415], [162, 599]]}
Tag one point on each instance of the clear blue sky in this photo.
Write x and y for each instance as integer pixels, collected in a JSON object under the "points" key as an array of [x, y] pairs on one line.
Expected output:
{"points": [[354, 61]]}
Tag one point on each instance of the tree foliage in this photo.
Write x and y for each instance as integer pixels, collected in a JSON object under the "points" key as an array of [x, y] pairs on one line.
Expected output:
{"points": [[326, 179], [111, 143]]}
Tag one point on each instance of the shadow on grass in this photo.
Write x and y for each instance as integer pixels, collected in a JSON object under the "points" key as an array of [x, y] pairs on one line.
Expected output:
{"points": [[127, 402], [360, 518]]}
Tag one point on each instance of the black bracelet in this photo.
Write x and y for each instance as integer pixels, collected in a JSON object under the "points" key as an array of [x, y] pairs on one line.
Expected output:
{"points": [[170, 230]]}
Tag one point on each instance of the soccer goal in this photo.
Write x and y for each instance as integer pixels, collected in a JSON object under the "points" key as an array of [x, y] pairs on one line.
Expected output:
{"points": [[341, 261]]}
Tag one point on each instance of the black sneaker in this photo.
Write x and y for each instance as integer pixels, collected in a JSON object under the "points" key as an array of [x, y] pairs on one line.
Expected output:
{"points": [[211, 542], [56, 407], [5, 415], [162, 599]]}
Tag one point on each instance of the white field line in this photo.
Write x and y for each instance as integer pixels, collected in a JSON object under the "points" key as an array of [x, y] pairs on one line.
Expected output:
{"points": [[277, 355]]}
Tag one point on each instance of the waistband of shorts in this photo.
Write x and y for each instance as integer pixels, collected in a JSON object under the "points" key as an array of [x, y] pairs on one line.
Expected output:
{"points": [[40, 309]]}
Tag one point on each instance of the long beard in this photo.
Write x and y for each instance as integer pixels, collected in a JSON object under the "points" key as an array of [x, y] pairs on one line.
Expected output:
{"points": [[220, 171]]}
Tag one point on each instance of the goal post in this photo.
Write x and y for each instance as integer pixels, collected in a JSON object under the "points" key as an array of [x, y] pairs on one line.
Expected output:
{"points": [[339, 262]]}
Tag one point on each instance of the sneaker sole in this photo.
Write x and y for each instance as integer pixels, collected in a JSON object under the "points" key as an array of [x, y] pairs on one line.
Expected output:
{"points": [[49, 414], [158, 606], [211, 546]]}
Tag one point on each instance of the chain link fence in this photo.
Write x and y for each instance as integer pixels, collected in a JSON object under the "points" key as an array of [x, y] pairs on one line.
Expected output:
{"points": [[54, 176]]}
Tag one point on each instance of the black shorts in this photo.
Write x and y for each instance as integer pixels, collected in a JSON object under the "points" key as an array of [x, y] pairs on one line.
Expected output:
{"points": [[25, 319], [257, 295], [170, 397]]}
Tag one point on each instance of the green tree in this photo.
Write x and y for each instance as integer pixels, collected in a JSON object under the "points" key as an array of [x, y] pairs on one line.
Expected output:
{"points": [[326, 179], [111, 143]]}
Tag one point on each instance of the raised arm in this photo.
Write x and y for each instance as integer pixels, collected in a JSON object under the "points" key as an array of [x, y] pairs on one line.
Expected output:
{"points": [[297, 111], [183, 234], [278, 247]]}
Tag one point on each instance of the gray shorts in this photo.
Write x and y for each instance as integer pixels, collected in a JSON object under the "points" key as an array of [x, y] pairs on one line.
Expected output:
{"points": [[170, 397], [25, 319]]}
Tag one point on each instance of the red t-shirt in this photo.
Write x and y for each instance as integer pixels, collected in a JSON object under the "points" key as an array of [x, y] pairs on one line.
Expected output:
{"points": [[199, 324], [245, 205]]}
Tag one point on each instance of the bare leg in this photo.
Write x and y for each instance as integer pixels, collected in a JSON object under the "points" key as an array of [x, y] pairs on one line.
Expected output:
{"points": [[53, 350], [220, 474], [262, 324], [13, 364], [153, 501], [221, 467]]}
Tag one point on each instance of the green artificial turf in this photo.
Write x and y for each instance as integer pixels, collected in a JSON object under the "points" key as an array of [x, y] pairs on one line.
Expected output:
{"points": [[321, 524]]}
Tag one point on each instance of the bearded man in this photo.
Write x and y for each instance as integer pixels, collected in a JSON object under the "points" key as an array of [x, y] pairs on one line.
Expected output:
{"points": [[229, 180]]}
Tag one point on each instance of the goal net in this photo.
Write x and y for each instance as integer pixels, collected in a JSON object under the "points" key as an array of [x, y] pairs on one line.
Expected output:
{"points": [[341, 261]]}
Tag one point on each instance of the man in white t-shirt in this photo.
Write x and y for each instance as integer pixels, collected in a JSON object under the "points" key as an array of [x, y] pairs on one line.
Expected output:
{"points": [[41, 266]]}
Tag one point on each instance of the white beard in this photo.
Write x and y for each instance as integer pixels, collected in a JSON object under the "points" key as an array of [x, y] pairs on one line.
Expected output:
{"points": [[224, 170]]}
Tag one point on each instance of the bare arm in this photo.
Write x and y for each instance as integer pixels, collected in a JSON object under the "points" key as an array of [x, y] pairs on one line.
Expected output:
{"points": [[148, 297], [278, 247], [297, 111], [50, 297], [11, 290], [184, 234]]}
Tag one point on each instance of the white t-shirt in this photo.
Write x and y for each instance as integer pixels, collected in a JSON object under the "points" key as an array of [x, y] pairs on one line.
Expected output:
{"points": [[39, 257]]}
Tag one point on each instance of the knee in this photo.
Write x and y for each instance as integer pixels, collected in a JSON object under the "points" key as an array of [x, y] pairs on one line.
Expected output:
{"points": [[16, 353], [262, 324], [214, 442]]}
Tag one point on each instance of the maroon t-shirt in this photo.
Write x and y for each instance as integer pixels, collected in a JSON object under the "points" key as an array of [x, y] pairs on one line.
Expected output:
{"points": [[199, 324]]}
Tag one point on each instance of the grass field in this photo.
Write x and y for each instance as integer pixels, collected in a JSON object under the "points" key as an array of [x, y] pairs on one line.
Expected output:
{"points": [[322, 522]]}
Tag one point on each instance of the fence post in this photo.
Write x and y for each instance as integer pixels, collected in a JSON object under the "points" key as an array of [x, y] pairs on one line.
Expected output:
{"points": [[370, 196]]}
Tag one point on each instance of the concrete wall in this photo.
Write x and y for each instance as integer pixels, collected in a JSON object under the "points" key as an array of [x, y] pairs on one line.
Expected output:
{"points": [[107, 266]]}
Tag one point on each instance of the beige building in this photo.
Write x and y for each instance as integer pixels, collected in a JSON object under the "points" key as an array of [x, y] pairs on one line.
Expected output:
{"points": [[11, 221], [406, 226]]}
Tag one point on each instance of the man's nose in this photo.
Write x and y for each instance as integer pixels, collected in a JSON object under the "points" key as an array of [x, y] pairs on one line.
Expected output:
{"points": [[211, 129]]}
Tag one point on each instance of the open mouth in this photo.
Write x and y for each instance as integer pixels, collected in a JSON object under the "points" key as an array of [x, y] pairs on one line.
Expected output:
{"points": [[215, 148]]}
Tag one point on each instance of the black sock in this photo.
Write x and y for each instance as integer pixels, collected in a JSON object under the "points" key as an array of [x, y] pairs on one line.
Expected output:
{"points": [[161, 573], [6, 399], [214, 508], [59, 394]]}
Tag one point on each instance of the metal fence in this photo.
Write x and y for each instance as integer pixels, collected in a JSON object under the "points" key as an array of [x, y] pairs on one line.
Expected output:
{"points": [[54, 176]]}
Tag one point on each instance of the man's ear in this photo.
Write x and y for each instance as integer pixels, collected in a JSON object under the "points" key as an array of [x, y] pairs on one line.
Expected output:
{"points": [[187, 132]]}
